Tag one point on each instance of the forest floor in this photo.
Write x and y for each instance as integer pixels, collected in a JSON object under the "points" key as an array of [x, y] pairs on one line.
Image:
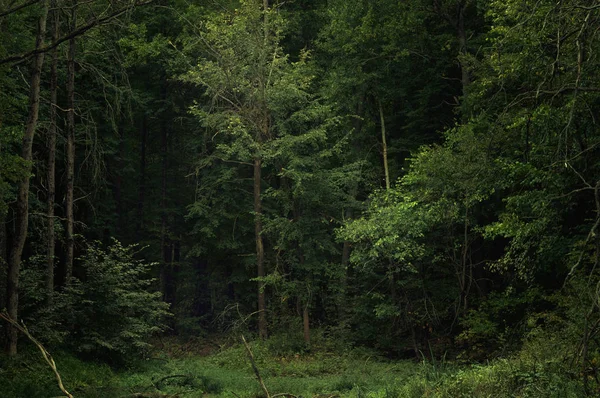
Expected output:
{"points": [[200, 369]]}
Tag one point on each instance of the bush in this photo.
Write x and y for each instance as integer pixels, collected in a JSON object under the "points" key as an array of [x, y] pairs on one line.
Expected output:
{"points": [[111, 311]]}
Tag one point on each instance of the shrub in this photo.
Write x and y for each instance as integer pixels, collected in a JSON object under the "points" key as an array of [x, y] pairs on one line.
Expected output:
{"points": [[111, 311]]}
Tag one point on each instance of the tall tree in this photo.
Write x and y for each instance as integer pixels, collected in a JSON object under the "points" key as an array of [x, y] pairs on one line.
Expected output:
{"points": [[70, 147], [246, 75], [51, 142], [22, 206]]}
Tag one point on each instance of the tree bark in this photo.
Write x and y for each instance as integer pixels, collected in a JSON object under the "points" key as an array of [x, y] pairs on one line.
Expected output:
{"points": [[384, 147], [22, 206], [260, 250], [51, 142], [70, 147]]}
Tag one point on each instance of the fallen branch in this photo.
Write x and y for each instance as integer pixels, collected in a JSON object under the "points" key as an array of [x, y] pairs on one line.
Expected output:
{"points": [[43, 350], [255, 368]]}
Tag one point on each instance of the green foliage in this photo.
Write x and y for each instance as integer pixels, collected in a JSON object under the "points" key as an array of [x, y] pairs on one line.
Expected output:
{"points": [[112, 311], [12, 166], [533, 373]]}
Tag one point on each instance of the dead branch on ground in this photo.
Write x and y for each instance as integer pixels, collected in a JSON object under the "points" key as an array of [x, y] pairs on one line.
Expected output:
{"points": [[47, 357]]}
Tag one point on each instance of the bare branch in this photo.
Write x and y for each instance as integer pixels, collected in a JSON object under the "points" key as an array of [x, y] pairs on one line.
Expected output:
{"points": [[47, 357], [255, 368]]}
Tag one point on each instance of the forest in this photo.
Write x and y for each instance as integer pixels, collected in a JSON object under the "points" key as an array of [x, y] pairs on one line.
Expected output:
{"points": [[385, 198]]}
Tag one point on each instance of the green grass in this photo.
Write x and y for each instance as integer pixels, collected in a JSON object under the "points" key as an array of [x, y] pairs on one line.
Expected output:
{"points": [[227, 373]]}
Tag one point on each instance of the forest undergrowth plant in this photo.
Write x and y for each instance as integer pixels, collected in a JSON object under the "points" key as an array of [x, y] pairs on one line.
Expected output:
{"points": [[113, 311]]}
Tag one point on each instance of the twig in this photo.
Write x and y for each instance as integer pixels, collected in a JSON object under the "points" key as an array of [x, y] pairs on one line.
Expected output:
{"points": [[43, 350], [255, 368]]}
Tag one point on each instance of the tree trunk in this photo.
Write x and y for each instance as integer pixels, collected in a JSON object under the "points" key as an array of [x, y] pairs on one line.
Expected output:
{"points": [[22, 206], [384, 145], [260, 251], [70, 147], [51, 142]]}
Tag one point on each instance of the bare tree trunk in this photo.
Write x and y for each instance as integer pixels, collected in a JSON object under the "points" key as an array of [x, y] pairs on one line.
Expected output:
{"points": [[70, 147], [22, 206], [51, 141], [384, 145], [260, 250]]}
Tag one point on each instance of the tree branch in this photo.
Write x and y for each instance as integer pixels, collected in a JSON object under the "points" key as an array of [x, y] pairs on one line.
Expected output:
{"points": [[17, 8], [255, 368], [47, 357], [77, 32]]}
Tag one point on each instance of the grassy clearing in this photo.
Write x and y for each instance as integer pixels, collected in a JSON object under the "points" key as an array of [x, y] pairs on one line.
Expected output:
{"points": [[227, 373]]}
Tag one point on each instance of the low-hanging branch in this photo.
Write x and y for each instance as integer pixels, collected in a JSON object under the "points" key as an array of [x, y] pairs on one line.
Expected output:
{"points": [[77, 32]]}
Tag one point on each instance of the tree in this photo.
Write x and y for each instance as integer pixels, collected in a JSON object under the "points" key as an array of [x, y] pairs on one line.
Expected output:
{"points": [[23, 193], [245, 73]]}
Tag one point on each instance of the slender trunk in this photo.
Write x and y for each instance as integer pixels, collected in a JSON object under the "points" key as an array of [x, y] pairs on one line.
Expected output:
{"points": [[260, 251], [51, 142], [142, 182], [384, 144], [70, 147], [22, 206]]}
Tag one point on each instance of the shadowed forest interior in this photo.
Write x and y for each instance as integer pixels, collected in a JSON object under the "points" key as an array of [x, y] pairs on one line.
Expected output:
{"points": [[386, 198]]}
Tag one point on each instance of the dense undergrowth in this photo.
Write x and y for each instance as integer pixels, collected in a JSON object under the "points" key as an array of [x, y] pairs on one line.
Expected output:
{"points": [[199, 369]]}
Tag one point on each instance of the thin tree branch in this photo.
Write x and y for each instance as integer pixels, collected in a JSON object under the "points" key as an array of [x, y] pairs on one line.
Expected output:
{"points": [[17, 8], [255, 368], [77, 32]]}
